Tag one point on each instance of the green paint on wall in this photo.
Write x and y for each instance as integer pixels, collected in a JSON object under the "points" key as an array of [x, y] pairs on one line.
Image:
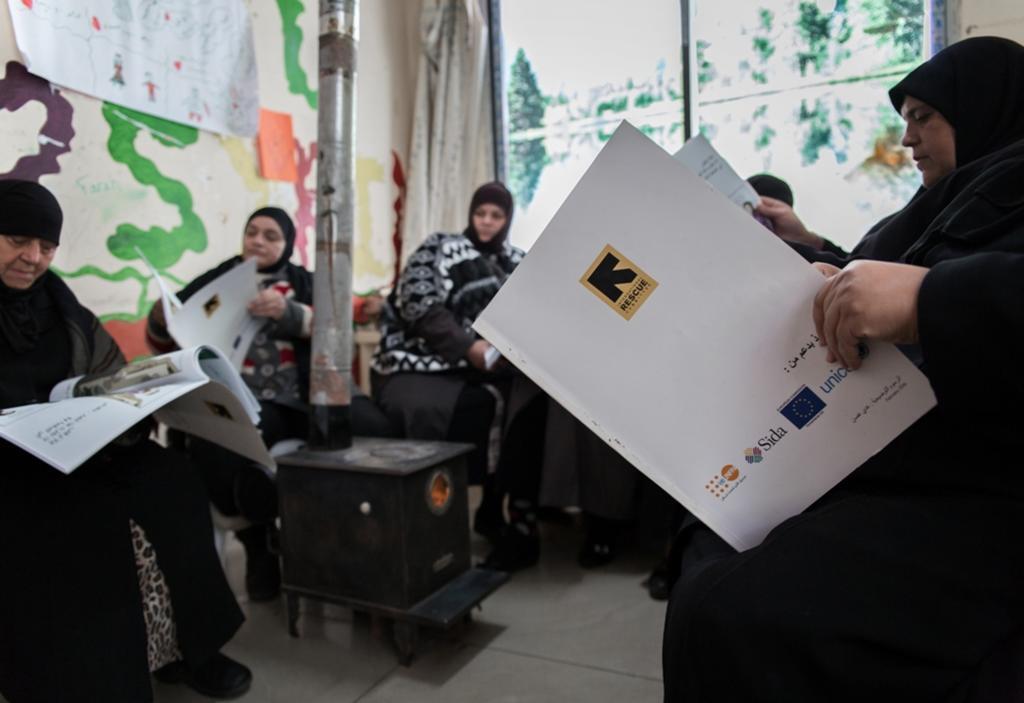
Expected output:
{"points": [[297, 81], [127, 273], [163, 248]]}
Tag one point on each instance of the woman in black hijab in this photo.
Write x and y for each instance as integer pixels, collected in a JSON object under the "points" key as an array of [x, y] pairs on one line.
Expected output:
{"points": [[906, 581], [109, 572], [276, 369], [963, 113]]}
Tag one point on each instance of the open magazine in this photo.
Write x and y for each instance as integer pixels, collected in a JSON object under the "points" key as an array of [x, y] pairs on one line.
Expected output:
{"points": [[194, 390], [217, 314]]}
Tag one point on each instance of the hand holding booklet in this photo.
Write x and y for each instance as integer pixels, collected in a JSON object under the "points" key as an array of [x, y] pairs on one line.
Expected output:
{"points": [[678, 329], [195, 390]]}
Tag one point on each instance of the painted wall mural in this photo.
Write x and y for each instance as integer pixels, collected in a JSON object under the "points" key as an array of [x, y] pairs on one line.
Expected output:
{"points": [[19, 87], [130, 181]]}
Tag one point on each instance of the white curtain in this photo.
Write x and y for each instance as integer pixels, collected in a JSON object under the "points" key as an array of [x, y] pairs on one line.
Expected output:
{"points": [[451, 120]]}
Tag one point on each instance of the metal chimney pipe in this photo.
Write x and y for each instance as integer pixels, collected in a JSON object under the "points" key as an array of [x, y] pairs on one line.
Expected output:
{"points": [[331, 362]]}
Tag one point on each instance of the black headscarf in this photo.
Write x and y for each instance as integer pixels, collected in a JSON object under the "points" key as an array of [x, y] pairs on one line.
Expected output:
{"points": [[494, 193], [27, 209], [771, 186], [287, 227], [976, 84]]}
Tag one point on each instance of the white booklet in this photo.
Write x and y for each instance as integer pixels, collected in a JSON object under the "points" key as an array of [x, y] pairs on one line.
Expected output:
{"points": [[678, 329], [699, 156], [217, 314], [195, 390]]}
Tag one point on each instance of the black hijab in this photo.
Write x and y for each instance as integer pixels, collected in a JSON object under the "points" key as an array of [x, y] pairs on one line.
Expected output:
{"points": [[976, 84], [287, 227], [300, 279], [494, 193], [27, 209]]}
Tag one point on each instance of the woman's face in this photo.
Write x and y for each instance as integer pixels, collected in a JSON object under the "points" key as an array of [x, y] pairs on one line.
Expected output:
{"points": [[24, 259], [931, 138], [263, 241], [488, 219]]}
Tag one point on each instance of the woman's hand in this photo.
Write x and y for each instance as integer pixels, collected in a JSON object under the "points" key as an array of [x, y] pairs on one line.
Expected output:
{"points": [[787, 225], [268, 303], [477, 352], [867, 300]]}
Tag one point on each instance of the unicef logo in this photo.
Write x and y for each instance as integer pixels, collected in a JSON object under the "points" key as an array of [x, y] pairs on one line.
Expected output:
{"points": [[753, 455]]}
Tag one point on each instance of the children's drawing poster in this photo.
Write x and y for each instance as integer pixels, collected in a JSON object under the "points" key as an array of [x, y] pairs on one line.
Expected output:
{"points": [[186, 61]]}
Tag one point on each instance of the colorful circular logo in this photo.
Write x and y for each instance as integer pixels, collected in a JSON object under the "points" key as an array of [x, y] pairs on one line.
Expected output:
{"points": [[730, 472], [753, 455]]}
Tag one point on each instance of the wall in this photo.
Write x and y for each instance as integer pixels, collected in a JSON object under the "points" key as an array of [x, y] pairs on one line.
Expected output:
{"points": [[969, 18], [192, 190]]}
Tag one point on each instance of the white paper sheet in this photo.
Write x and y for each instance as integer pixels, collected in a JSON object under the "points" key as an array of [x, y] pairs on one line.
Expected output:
{"points": [[186, 61], [704, 373], [217, 314], [194, 390], [700, 157]]}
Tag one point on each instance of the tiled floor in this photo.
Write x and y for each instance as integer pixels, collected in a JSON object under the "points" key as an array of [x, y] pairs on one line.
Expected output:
{"points": [[553, 633]]}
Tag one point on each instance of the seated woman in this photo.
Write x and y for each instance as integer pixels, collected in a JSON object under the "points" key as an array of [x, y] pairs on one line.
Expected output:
{"points": [[110, 572], [906, 581], [432, 375], [276, 369]]}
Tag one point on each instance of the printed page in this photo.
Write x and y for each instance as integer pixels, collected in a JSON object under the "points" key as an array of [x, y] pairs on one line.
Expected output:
{"points": [[700, 157], [214, 413], [217, 315], [175, 367], [219, 370], [679, 330], [68, 433]]}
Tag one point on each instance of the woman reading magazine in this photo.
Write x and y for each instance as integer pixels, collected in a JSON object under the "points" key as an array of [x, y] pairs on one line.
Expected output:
{"points": [[906, 581], [109, 573]]}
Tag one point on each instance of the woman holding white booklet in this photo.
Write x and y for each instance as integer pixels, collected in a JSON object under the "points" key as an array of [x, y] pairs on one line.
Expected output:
{"points": [[109, 573], [276, 369], [906, 581]]}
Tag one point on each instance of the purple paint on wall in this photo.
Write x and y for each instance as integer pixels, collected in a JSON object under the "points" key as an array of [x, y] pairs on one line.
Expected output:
{"points": [[18, 87]]}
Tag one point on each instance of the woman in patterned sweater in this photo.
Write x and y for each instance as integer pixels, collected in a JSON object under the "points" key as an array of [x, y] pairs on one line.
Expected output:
{"points": [[435, 378]]}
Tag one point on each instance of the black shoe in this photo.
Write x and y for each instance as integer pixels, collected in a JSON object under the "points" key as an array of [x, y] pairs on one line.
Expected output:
{"points": [[262, 567], [513, 552], [657, 583], [595, 553], [599, 543], [488, 522], [220, 677]]}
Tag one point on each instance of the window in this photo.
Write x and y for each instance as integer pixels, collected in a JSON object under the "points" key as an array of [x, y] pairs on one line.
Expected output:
{"points": [[573, 69], [799, 89], [796, 88]]}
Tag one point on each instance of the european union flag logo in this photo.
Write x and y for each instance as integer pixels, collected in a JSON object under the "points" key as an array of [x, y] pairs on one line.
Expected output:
{"points": [[803, 407]]}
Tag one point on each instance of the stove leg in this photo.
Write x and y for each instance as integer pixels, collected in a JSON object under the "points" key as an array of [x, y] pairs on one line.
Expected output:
{"points": [[292, 600], [406, 638]]}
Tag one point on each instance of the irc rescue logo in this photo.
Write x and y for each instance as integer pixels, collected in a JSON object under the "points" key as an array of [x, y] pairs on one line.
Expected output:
{"points": [[618, 282]]}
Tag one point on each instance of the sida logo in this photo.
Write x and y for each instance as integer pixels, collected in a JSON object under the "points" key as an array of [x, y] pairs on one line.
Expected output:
{"points": [[753, 455]]}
